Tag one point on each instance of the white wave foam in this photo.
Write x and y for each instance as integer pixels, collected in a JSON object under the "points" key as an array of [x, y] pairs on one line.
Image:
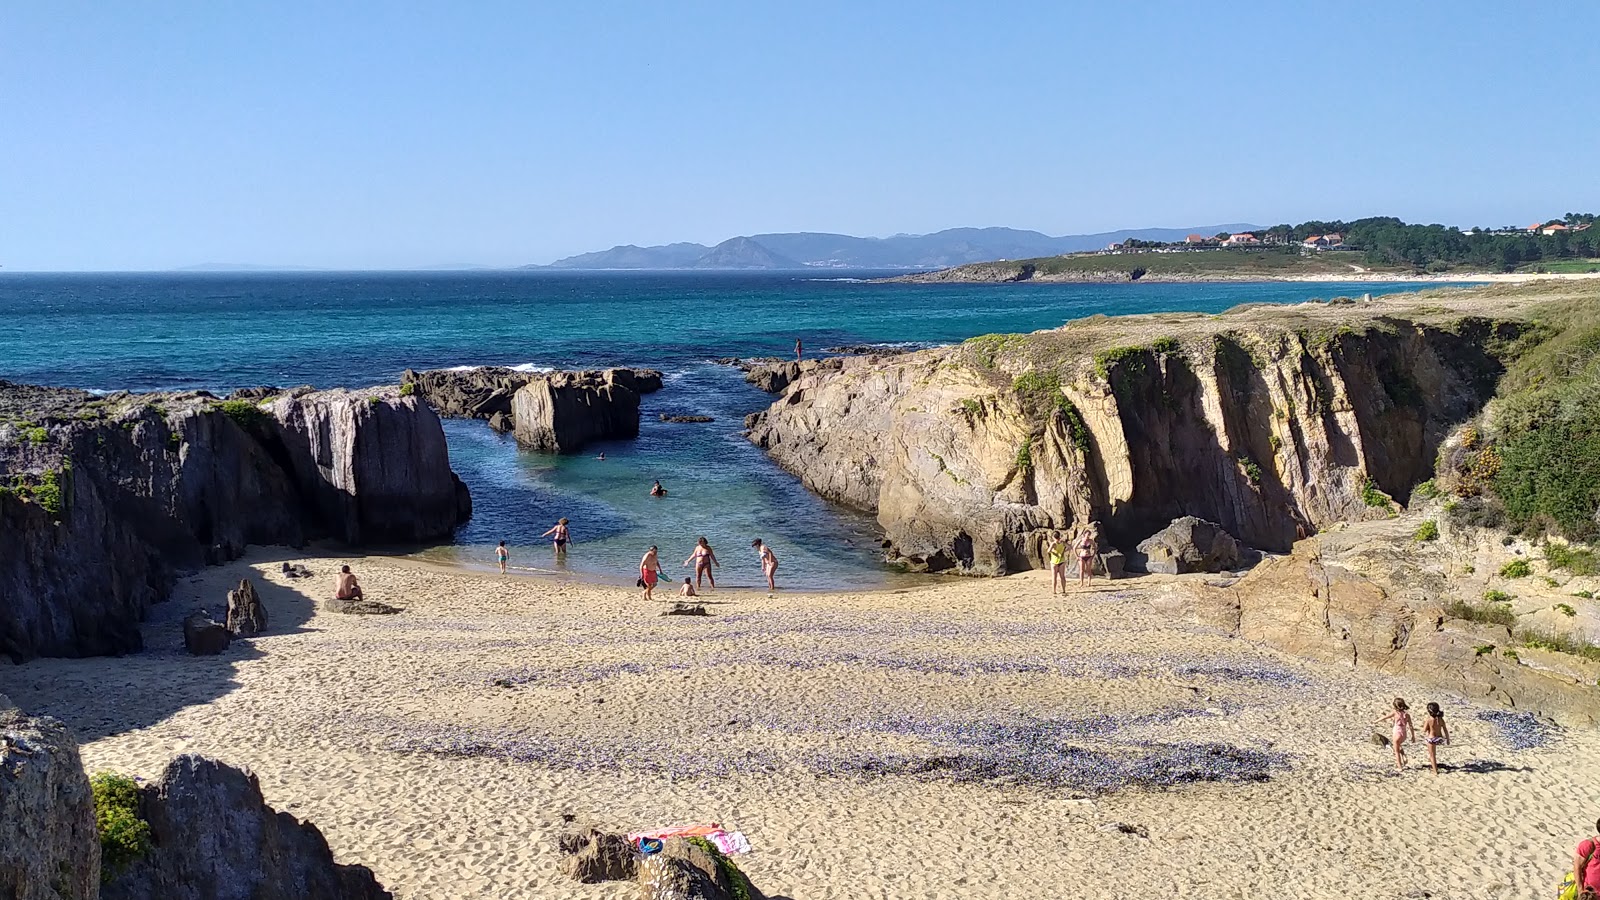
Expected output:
{"points": [[532, 368]]}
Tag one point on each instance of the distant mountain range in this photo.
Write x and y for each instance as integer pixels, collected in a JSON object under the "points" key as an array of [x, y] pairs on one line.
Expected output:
{"points": [[951, 247]]}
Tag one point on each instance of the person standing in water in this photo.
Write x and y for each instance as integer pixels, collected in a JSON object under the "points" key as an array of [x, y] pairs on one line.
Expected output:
{"points": [[769, 565], [1058, 564], [559, 536], [503, 555], [649, 572], [656, 490], [1088, 549], [703, 559]]}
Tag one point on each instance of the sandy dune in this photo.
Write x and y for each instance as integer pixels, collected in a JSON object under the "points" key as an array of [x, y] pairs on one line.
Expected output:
{"points": [[903, 744]]}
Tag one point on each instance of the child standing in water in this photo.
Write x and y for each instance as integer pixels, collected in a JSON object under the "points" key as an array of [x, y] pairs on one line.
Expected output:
{"points": [[503, 555], [1434, 733], [1400, 719]]}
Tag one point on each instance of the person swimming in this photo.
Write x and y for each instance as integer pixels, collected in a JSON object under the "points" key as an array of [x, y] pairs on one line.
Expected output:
{"points": [[559, 536], [656, 490], [602, 455], [703, 558]]}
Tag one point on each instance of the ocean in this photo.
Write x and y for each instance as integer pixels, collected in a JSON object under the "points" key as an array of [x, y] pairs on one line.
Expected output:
{"points": [[219, 332]]}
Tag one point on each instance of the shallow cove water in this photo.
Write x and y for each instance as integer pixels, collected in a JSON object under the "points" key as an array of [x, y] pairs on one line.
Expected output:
{"points": [[218, 332]]}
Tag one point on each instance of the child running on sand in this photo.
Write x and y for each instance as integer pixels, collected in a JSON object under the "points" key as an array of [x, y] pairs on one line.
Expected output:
{"points": [[1434, 733], [1400, 718], [503, 555]]}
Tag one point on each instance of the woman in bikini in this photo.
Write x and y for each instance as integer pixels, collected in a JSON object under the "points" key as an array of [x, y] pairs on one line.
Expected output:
{"points": [[1087, 551], [649, 572], [1434, 733], [1058, 564], [769, 565], [703, 559], [1400, 720], [559, 536]]}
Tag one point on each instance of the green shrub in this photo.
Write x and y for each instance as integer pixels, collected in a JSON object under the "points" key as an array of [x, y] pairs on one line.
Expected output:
{"points": [[1560, 643], [245, 414], [1427, 531], [1372, 496], [1565, 609], [124, 837], [1251, 469], [1488, 615], [1517, 568], [1587, 595], [738, 884], [1497, 597], [1131, 358], [1577, 560], [1076, 430], [1166, 345], [1427, 490], [1549, 582], [408, 389], [1483, 650], [1025, 457], [1511, 655], [37, 435]]}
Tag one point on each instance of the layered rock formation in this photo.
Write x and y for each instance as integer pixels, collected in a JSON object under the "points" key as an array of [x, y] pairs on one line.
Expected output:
{"points": [[1366, 595], [49, 846], [108, 499], [212, 835], [1273, 422]]}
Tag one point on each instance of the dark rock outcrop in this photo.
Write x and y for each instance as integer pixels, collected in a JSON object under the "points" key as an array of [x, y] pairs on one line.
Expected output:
{"points": [[775, 376], [593, 856], [203, 637], [1272, 422], [108, 499], [213, 836], [684, 420], [359, 607], [476, 393], [684, 868], [564, 411], [1187, 545], [49, 845], [247, 617]]}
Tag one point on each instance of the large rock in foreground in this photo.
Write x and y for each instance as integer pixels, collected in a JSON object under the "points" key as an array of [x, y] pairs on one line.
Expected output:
{"points": [[565, 411], [214, 837], [49, 846]]}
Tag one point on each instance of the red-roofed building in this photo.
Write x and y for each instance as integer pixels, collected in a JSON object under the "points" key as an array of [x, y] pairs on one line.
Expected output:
{"points": [[1553, 228]]}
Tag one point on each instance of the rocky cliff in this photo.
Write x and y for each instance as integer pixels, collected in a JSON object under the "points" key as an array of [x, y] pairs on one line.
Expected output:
{"points": [[106, 500], [49, 846], [1273, 421]]}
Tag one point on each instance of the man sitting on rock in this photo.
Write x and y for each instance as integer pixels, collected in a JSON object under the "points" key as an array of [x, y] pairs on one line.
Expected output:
{"points": [[349, 588]]}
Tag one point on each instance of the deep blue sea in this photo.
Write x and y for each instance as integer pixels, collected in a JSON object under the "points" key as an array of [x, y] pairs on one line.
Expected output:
{"points": [[219, 332]]}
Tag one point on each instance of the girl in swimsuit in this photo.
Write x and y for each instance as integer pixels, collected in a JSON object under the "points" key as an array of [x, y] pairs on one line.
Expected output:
{"points": [[560, 537], [1058, 565], [649, 572], [703, 560], [1434, 733], [1087, 550], [1400, 719], [769, 565]]}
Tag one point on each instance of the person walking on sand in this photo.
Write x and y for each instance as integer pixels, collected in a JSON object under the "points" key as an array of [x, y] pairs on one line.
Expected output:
{"points": [[1434, 733], [559, 536], [1087, 549], [1586, 867], [503, 555], [688, 588], [1400, 728], [348, 588], [649, 572], [769, 565], [703, 559], [1058, 564]]}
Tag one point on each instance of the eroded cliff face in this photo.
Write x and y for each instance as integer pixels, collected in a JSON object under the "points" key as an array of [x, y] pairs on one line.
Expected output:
{"points": [[106, 501], [1273, 423]]}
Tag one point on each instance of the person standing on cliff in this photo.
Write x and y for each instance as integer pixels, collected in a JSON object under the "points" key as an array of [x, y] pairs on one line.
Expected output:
{"points": [[799, 350]]}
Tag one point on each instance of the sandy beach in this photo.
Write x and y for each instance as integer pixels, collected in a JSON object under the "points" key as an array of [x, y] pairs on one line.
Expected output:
{"points": [[973, 738]]}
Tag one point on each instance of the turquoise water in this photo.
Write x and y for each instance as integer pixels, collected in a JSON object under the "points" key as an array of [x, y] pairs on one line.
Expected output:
{"points": [[219, 332]]}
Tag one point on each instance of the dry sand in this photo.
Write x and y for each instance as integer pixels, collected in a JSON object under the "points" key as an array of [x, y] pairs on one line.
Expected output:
{"points": [[443, 746]]}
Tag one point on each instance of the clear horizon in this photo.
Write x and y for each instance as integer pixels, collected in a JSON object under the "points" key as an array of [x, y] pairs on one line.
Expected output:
{"points": [[364, 137]]}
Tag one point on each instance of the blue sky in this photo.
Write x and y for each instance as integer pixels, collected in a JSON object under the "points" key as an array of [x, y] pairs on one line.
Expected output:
{"points": [[152, 135]]}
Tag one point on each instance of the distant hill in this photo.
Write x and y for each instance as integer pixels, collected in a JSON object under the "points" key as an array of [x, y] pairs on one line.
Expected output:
{"points": [[951, 247]]}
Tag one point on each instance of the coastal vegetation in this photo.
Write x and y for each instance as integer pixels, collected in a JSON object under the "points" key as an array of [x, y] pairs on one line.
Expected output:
{"points": [[124, 837]]}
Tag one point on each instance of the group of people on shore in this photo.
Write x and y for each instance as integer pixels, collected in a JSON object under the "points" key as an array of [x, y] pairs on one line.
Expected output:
{"points": [[704, 559], [1435, 733], [1085, 548]]}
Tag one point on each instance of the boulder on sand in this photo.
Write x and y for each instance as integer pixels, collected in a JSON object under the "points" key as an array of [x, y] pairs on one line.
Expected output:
{"points": [[594, 856], [203, 637], [212, 835], [1189, 544], [685, 868], [359, 607], [246, 616]]}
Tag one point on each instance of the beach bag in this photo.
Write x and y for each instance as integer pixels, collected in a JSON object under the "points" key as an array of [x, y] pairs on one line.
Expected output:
{"points": [[1569, 888]]}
